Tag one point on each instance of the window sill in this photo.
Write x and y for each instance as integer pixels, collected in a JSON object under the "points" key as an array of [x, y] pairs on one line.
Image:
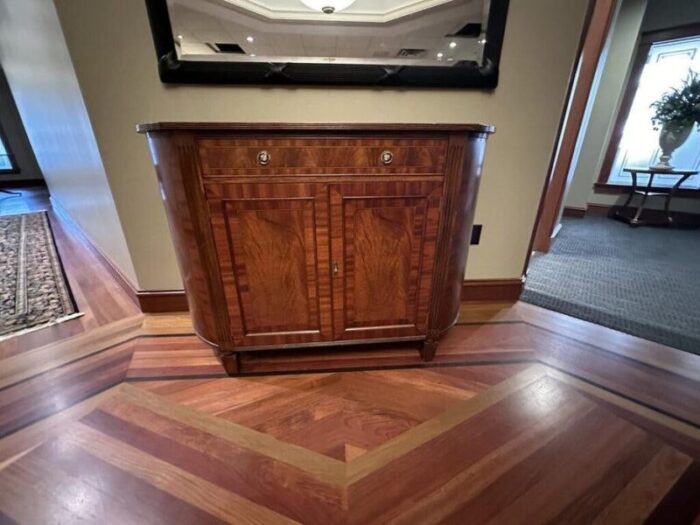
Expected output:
{"points": [[612, 189]]}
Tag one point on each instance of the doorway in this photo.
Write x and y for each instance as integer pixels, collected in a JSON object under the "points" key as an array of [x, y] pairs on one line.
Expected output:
{"points": [[644, 281]]}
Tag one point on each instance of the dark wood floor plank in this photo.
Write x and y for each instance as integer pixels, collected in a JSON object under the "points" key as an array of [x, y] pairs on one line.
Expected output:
{"points": [[682, 503], [665, 391], [452, 452], [50, 392], [241, 471], [145, 502], [508, 497], [642, 494]]}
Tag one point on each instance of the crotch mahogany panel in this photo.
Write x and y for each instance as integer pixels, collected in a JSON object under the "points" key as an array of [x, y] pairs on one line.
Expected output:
{"points": [[292, 236]]}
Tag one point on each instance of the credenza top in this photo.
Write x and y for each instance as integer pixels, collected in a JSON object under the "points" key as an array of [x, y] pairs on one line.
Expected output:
{"points": [[307, 127]]}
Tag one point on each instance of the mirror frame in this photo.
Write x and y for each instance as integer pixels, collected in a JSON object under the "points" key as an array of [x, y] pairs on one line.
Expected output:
{"points": [[174, 71]]}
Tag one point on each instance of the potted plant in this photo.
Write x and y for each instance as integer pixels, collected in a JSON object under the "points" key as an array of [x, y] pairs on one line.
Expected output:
{"points": [[675, 114]]}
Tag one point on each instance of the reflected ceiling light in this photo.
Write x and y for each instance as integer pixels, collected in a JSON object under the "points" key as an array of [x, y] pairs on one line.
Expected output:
{"points": [[453, 44], [328, 6], [250, 39], [440, 55]]}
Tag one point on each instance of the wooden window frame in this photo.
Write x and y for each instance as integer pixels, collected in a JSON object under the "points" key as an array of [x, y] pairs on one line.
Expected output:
{"points": [[646, 40]]}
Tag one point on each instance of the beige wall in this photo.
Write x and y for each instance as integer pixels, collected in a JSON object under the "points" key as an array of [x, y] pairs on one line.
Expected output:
{"points": [[41, 77], [113, 55]]}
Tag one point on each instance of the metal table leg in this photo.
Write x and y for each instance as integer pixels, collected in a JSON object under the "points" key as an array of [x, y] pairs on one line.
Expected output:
{"points": [[635, 220], [671, 193], [632, 192]]}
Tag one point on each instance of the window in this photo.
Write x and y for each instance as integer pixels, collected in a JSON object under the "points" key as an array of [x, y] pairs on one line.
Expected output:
{"points": [[6, 161], [667, 65]]}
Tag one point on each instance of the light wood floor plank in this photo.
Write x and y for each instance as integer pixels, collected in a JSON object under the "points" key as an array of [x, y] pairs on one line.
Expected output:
{"points": [[424, 432], [325, 469], [645, 491]]}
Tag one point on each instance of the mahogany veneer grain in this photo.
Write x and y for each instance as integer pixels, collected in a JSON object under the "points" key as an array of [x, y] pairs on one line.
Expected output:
{"points": [[298, 236]]}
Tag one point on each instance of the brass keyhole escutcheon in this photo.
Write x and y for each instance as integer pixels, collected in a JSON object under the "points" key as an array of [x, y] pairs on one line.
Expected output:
{"points": [[264, 158], [387, 157]]}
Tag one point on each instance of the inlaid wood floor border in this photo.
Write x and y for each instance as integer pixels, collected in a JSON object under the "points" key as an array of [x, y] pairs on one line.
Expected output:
{"points": [[326, 469], [322, 467], [639, 350], [170, 478], [15, 445], [32, 363], [417, 366], [669, 421], [28, 366]]}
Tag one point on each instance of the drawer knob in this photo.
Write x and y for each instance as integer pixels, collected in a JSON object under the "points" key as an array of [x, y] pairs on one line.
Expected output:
{"points": [[387, 157], [264, 158]]}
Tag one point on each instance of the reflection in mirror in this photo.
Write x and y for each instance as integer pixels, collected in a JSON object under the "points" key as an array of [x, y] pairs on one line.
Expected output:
{"points": [[436, 33], [441, 43]]}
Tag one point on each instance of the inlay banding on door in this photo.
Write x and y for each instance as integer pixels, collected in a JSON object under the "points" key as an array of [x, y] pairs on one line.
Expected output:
{"points": [[383, 246], [268, 248]]}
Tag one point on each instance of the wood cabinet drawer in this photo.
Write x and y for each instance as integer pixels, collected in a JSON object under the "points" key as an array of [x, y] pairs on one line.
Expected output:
{"points": [[332, 156]]}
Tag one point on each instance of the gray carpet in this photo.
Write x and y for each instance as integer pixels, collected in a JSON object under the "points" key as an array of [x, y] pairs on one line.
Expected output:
{"points": [[643, 281]]}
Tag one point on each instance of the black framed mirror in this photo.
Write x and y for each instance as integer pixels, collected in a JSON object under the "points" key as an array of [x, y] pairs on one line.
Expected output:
{"points": [[400, 43]]}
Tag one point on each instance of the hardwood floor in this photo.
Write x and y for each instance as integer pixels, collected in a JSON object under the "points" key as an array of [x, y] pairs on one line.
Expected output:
{"points": [[525, 416], [100, 298], [474, 444]]}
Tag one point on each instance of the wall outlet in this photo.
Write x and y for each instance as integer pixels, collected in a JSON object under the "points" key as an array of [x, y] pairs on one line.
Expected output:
{"points": [[476, 234]]}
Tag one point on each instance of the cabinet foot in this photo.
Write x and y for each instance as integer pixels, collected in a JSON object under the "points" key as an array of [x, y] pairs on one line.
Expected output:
{"points": [[231, 363], [428, 350]]}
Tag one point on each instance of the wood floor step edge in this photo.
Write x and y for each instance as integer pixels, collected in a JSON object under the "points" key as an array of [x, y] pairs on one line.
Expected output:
{"points": [[167, 324], [650, 414], [666, 358], [42, 359]]}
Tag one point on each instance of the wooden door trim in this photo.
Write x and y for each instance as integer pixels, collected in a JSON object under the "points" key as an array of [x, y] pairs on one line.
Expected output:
{"points": [[646, 40], [591, 46]]}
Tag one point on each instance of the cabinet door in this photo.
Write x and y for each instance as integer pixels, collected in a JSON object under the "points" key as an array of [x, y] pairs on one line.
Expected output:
{"points": [[272, 245], [382, 254]]}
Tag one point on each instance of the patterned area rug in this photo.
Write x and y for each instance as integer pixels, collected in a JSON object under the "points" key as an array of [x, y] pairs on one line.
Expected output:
{"points": [[34, 292], [642, 281]]}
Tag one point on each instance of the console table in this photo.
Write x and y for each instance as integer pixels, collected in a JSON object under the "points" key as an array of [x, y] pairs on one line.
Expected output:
{"points": [[635, 220], [296, 236]]}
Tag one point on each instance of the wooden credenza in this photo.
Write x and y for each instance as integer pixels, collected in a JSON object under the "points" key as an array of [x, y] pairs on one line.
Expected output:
{"points": [[291, 236]]}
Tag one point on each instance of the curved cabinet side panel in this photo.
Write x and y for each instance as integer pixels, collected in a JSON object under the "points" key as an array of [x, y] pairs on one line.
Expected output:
{"points": [[174, 158], [465, 158]]}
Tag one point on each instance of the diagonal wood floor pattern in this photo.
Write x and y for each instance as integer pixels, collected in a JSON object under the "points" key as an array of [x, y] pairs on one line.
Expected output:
{"points": [[475, 444], [526, 416]]}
